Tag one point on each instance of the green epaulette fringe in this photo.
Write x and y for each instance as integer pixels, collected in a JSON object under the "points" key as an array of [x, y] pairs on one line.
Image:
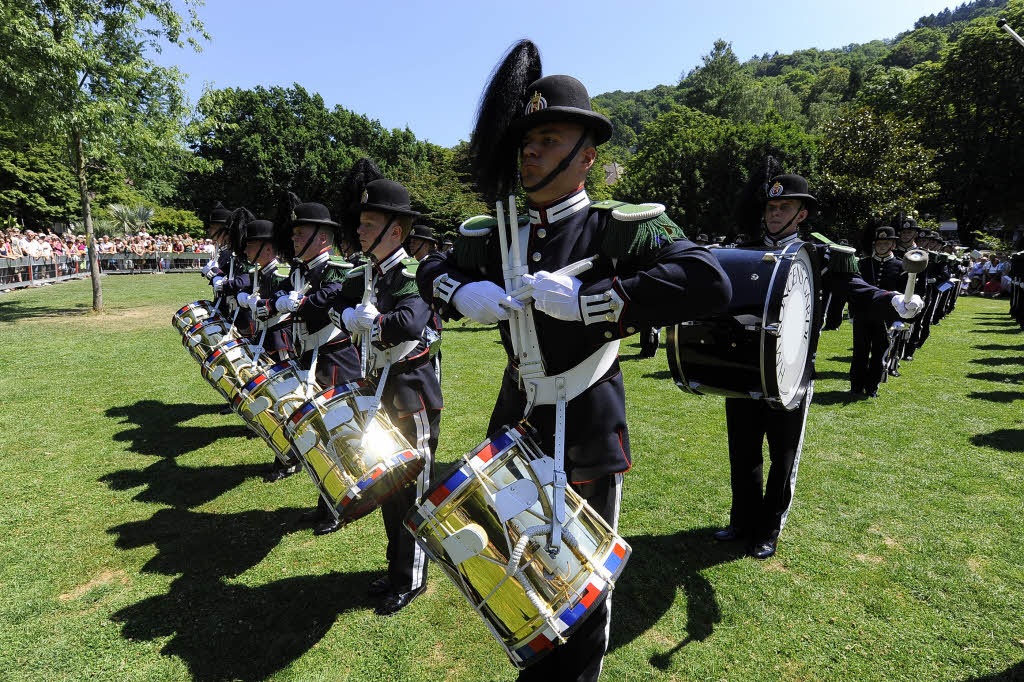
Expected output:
{"points": [[636, 230], [840, 258]]}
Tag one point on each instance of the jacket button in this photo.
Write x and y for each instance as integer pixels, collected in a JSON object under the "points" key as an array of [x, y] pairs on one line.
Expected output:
{"points": [[608, 335], [630, 330], [541, 233], [536, 256]]}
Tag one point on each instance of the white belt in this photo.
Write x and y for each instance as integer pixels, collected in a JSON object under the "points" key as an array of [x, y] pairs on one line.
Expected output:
{"points": [[315, 340]]}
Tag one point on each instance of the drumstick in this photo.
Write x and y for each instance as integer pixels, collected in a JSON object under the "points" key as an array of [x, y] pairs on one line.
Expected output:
{"points": [[524, 293], [1013, 34], [364, 359], [506, 269]]}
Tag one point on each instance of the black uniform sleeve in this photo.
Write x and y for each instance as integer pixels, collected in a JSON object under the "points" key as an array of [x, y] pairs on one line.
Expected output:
{"points": [[682, 281], [236, 284], [404, 322]]}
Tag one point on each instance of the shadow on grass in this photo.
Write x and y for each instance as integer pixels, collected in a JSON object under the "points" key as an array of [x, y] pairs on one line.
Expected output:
{"points": [[996, 346], [840, 376], [1000, 377], [658, 567], [1007, 440], [1019, 360], [837, 397], [235, 632], [997, 396], [157, 429], [1014, 330], [1012, 674], [184, 487], [660, 374], [841, 358], [17, 309], [999, 323], [474, 328]]}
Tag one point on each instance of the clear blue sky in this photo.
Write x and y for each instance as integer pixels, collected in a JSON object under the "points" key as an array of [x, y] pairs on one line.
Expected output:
{"points": [[424, 64]]}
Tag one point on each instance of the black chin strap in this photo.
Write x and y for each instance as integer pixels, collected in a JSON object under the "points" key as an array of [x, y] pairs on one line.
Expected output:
{"points": [[560, 167], [309, 241], [263, 245], [368, 252], [771, 235]]}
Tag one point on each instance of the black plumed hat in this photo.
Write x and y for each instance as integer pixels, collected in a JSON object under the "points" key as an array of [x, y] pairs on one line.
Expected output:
{"points": [[559, 99], [386, 196], [282, 225], [909, 223], [219, 213], [311, 213], [257, 230], [423, 232], [789, 186], [884, 232]]}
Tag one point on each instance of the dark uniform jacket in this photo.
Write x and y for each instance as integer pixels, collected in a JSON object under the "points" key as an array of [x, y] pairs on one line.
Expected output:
{"points": [[271, 277], [243, 321], [404, 316], [660, 277], [337, 359], [886, 274]]}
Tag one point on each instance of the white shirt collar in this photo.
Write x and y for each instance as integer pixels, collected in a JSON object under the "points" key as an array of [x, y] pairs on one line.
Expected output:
{"points": [[881, 258], [320, 258], [545, 215], [784, 241], [394, 259], [269, 266]]}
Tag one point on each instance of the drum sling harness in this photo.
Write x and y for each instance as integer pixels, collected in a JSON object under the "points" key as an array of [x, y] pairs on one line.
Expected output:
{"points": [[540, 387]]}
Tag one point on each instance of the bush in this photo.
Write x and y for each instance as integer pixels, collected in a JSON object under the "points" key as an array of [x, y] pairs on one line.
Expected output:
{"points": [[175, 221]]}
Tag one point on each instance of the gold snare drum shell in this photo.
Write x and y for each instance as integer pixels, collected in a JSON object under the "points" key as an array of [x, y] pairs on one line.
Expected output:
{"points": [[469, 502]]}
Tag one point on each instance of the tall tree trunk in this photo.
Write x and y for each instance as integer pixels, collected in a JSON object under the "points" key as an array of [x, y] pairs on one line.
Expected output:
{"points": [[83, 188]]}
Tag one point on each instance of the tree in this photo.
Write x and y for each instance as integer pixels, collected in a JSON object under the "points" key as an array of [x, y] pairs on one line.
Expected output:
{"points": [[82, 72], [717, 85], [36, 185], [130, 219], [971, 104], [871, 168]]}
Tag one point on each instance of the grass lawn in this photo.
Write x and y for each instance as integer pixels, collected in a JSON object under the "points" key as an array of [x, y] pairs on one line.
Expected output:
{"points": [[138, 541]]}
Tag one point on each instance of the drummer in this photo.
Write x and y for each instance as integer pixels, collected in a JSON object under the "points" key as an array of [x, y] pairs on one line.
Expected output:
{"points": [[314, 337], [421, 242], [759, 508], [217, 230], [412, 395], [267, 275], [647, 273]]}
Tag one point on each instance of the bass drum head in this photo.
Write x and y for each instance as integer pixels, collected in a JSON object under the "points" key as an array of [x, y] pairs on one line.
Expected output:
{"points": [[794, 308]]}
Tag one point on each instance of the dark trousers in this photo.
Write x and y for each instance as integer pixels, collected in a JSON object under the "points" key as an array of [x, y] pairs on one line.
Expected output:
{"points": [[650, 337], [870, 341], [923, 322], [760, 509], [580, 658], [407, 562]]}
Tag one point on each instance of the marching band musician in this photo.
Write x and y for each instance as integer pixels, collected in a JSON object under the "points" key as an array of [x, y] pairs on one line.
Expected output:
{"points": [[322, 348], [411, 396], [266, 276], [543, 133], [217, 230], [421, 242], [870, 332], [759, 509]]}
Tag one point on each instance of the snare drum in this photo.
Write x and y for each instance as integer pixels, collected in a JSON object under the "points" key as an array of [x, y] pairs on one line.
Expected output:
{"points": [[203, 337], [355, 472], [487, 526], [231, 365], [764, 346], [193, 313], [268, 399]]}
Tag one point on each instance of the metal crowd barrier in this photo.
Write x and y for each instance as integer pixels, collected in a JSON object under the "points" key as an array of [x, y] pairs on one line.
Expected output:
{"points": [[27, 272]]}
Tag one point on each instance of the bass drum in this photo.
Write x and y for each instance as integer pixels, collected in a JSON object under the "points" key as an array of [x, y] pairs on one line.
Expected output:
{"points": [[763, 347]]}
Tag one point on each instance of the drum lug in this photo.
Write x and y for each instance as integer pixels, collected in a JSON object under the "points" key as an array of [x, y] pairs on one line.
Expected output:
{"points": [[772, 328]]}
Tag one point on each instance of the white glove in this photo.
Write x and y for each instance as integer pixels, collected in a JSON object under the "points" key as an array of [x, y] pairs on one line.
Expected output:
{"points": [[289, 303], [360, 318], [251, 302], [210, 265], [218, 284], [905, 308], [556, 295], [243, 299], [484, 302]]}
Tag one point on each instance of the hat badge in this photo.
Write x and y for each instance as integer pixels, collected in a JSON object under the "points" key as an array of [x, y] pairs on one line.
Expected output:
{"points": [[365, 197], [776, 190], [536, 103], [294, 216]]}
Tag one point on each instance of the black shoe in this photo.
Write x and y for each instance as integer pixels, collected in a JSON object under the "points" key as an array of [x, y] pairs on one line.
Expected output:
{"points": [[872, 394], [394, 602], [909, 358], [894, 372], [829, 329], [328, 525], [278, 474], [729, 534], [856, 391], [379, 587], [764, 549]]}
